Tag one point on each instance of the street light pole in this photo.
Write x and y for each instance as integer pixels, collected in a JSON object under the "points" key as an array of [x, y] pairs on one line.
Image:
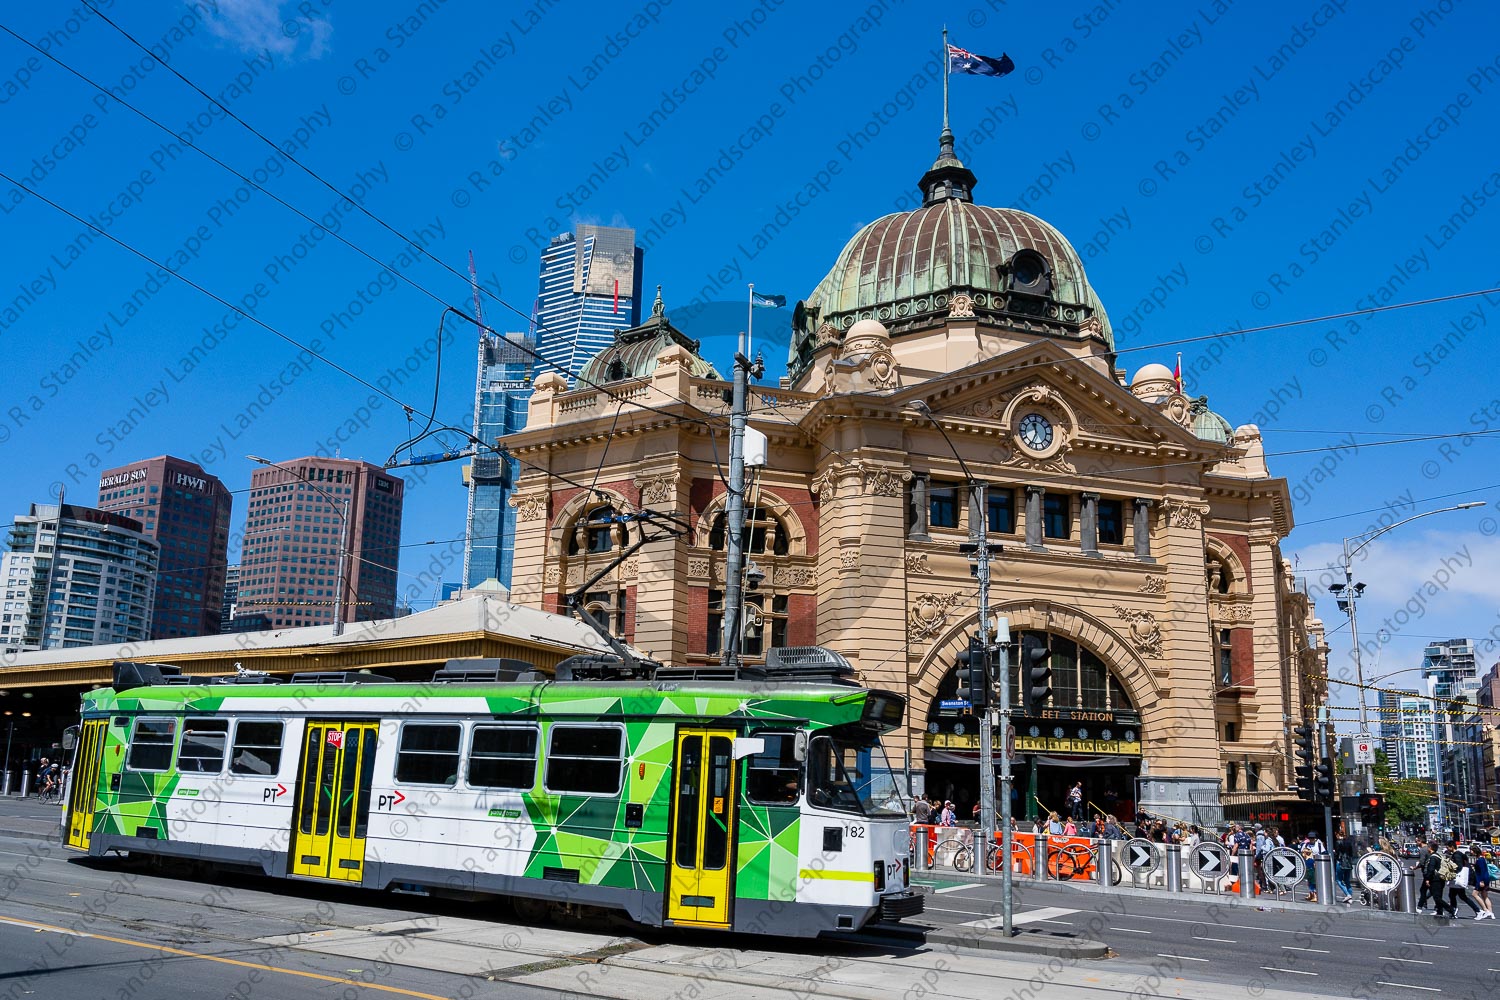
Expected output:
{"points": [[1366, 770], [988, 717], [336, 503]]}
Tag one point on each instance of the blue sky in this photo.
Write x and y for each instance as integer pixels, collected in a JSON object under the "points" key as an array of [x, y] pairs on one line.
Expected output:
{"points": [[1219, 167]]}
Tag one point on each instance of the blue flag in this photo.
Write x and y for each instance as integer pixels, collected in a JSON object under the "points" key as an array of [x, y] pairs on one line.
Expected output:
{"points": [[961, 61], [769, 301]]}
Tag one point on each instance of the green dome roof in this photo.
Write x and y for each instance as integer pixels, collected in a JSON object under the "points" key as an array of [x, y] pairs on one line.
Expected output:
{"points": [[633, 354], [1208, 425], [903, 269]]}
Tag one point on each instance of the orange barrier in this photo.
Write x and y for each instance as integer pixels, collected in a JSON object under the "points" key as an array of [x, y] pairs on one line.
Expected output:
{"points": [[1079, 851]]}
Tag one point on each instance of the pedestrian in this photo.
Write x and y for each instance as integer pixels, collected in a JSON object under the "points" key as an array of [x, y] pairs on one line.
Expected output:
{"points": [[1483, 876], [1054, 824], [1458, 887], [947, 816], [921, 811], [1070, 828], [1439, 869], [1343, 865], [1075, 800]]}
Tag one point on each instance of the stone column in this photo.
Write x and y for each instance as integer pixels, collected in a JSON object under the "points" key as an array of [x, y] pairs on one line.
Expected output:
{"points": [[920, 511], [1142, 530], [1088, 525], [1034, 518]]}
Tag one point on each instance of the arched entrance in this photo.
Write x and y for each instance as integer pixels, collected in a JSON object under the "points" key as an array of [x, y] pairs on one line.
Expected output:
{"points": [[1088, 731]]}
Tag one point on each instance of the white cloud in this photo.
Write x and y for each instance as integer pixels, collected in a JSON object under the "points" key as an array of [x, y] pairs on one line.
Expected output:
{"points": [[258, 25], [1420, 586]]}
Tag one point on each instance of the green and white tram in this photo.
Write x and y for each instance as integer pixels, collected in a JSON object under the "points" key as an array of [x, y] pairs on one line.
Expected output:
{"points": [[762, 805]]}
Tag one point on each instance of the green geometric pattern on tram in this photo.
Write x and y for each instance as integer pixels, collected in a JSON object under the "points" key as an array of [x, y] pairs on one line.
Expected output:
{"points": [[767, 853], [141, 803], [588, 833]]}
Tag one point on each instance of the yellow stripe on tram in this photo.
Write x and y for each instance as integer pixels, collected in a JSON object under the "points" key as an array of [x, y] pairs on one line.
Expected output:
{"points": [[825, 873]]}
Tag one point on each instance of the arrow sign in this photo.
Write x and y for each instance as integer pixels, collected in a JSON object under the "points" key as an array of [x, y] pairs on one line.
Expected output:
{"points": [[1140, 855], [1284, 867], [280, 789], [400, 798], [1209, 860], [1378, 871]]}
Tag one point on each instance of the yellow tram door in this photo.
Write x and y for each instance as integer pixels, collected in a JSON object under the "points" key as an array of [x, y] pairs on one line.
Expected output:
{"points": [[333, 800], [701, 847], [83, 793]]}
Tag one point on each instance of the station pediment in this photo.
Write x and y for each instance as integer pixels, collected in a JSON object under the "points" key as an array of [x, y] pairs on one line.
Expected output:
{"points": [[1045, 390]]}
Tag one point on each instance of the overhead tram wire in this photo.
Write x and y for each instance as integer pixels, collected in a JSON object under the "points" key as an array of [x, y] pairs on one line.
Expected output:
{"points": [[399, 275], [691, 406], [526, 316]]}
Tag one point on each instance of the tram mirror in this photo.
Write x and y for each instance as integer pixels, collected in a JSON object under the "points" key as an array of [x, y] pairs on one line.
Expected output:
{"points": [[800, 749], [70, 739], [744, 746]]}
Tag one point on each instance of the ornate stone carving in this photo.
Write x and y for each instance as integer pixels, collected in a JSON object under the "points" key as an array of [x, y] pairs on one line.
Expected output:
{"points": [[881, 372], [884, 480], [1018, 459], [1153, 585], [1183, 515], [1232, 611], [1091, 326], [630, 569], [916, 564], [551, 576], [657, 490], [849, 557], [827, 334], [929, 613], [697, 567], [826, 485], [961, 306], [795, 576], [1145, 633], [529, 507]]}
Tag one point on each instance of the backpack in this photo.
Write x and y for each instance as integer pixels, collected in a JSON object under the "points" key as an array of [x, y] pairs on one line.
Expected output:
{"points": [[1494, 871], [1447, 868]]}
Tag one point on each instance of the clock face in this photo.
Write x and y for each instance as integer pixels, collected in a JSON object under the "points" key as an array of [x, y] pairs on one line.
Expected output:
{"points": [[1036, 432]]}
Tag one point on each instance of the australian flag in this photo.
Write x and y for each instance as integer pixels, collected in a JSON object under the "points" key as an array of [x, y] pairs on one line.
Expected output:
{"points": [[960, 61], [767, 301]]}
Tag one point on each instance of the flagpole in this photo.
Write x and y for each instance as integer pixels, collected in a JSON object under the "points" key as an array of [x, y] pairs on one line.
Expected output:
{"points": [[947, 63], [750, 321]]}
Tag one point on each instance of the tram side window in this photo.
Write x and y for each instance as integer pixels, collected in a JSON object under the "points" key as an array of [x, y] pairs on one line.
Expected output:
{"points": [[428, 754], [151, 745], [773, 777], [585, 760], [203, 746], [257, 748], [503, 757]]}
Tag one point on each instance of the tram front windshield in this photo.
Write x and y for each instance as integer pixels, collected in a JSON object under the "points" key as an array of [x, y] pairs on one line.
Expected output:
{"points": [[852, 775]]}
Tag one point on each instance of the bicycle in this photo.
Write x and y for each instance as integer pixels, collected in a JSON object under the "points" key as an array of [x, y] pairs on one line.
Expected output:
{"points": [[963, 859], [50, 792], [1075, 860]]}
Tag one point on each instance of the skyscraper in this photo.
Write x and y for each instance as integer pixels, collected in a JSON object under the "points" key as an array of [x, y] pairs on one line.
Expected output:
{"points": [[186, 511], [507, 366], [590, 287], [303, 514], [231, 597], [76, 576]]}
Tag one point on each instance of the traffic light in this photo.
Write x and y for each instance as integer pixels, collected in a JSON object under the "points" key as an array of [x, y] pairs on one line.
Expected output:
{"points": [[1036, 672], [1307, 758], [1372, 809], [1323, 782], [973, 674]]}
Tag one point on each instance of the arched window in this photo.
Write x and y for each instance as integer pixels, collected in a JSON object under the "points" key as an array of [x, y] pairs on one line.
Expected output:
{"points": [[616, 370], [763, 532], [597, 530]]}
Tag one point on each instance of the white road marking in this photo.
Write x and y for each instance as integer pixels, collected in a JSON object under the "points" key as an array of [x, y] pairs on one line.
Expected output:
{"points": [[1027, 917], [1408, 986], [1183, 958], [1129, 930], [1295, 972], [1320, 951], [958, 888], [1216, 940], [1413, 961]]}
